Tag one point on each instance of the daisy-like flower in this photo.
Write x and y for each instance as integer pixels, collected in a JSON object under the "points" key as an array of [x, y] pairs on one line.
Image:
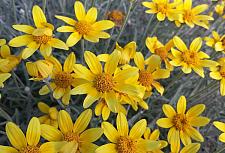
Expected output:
{"points": [[104, 83], [221, 127], [191, 58], [40, 37], [127, 53], [219, 9], [86, 27], [217, 41], [218, 73], [39, 70], [163, 51], [3, 78], [10, 61], [125, 141], [62, 79], [116, 16], [50, 116], [149, 75], [154, 136], [163, 9], [28, 144], [182, 123], [73, 138], [192, 16]]}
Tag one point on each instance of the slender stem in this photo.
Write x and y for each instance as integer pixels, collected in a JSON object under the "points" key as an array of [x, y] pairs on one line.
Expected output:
{"points": [[124, 23], [93, 3], [145, 32], [177, 77], [221, 150], [44, 5], [108, 41], [14, 11], [82, 49], [155, 28]]}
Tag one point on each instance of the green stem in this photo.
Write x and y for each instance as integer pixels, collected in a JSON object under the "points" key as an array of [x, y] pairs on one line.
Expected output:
{"points": [[14, 11], [177, 77], [44, 5], [221, 150], [92, 3], [145, 33], [82, 49], [155, 28], [108, 41]]}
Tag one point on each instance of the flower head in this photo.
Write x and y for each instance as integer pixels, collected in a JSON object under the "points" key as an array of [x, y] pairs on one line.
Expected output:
{"points": [[28, 144], [73, 137], [148, 76], [217, 41], [103, 82], [40, 37], [191, 58], [163, 9], [62, 79], [219, 9], [51, 114], [86, 27], [221, 127], [125, 141], [116, 16], [182, 123]]}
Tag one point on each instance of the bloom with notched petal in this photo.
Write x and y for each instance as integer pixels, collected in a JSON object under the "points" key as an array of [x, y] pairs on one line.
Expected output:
{"points": [[123, 141], [217, 42], [40, 37], [62, 79], [73, 138], [104, 84], [190, 58], [148, 76], [86, 27], [182, 123], [221, 127], [28, 144], [218, 73], [51, 114], [163, 8]]}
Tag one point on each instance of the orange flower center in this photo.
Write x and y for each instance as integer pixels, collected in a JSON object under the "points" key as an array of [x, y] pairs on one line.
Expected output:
{"points": [[104, 83], [116, 16], [83, 27], [70, 136], [223, 41], [162, 52], [30, 149], [126, 145], [63, 79], [180, 121], [188, 15], [162, 7], [190, 57], [145, 78], [42, 39], [222, 73]]}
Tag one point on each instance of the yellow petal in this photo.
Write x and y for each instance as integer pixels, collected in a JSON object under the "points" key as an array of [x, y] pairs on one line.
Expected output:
{"points": [[103, 25], [83, 72], [111, 101], [175, 141], [112, 63], [179, 44], [139, 60], [44, 108], [153, 63], [110, 132], [91, 135], [196, 44], [194, 134], [199, 121], [193, 148], [164, 122], [105, 113], [15, 136], [38, 16], [138, 129], [91, 15], [219, 125], [161, 74], [199, 70], [6, 149], [109, 148], [66, 29], [66, 19], [69, 63], [49, 147], [161, 16], [56, 43], [79, 10], [90, 99], [82, 121], [196, 110], [51, 133], [168, 111], [185, 138], [93, 62], [122, 124], [181, 105], [199, 9], [21, 41], [33, 132], [73, 39], [222, 87], [65, 122], [46, 50], [58, 92], [215, 75], [222, 137], [27, 52], [187, 4], [24, 28]]}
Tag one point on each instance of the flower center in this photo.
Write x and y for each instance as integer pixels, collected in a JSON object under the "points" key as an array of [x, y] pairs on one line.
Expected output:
{"points": [[30, 149], [83, 27], [161, 52], [70, 136], [180, 121], [222, 72], [188, 15], [223, 41], [126, 145], [161, 7], [63, 79], [42, 39], [104, 83], [145, 78], [190, 57], [116, 16]]}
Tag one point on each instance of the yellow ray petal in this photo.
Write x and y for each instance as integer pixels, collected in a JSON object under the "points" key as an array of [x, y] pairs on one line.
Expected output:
{"points": [[65, 122], [110, 132], [33, 132], [93, 62], [51, 133], [181, 105], [38, 16], [138, 129], [91, 135], [122, 124], [79, 10]]}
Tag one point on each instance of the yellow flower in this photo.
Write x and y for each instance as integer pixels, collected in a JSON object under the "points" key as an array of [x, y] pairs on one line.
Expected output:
{"points": [[104, 83], [219, 9], [192, 16], [116, 16], [63, 78], [218, 73], [191, 58], [217, 41], [86, 27], [39, 70], [28, 144], [3, 78], [182, 123], [123, 141], [10, 61], [51, 114], [73, 138], [40, 37], [163, 51], [191, 148], [163, 9], [148, 76], [221, 127], [154, 136]]}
